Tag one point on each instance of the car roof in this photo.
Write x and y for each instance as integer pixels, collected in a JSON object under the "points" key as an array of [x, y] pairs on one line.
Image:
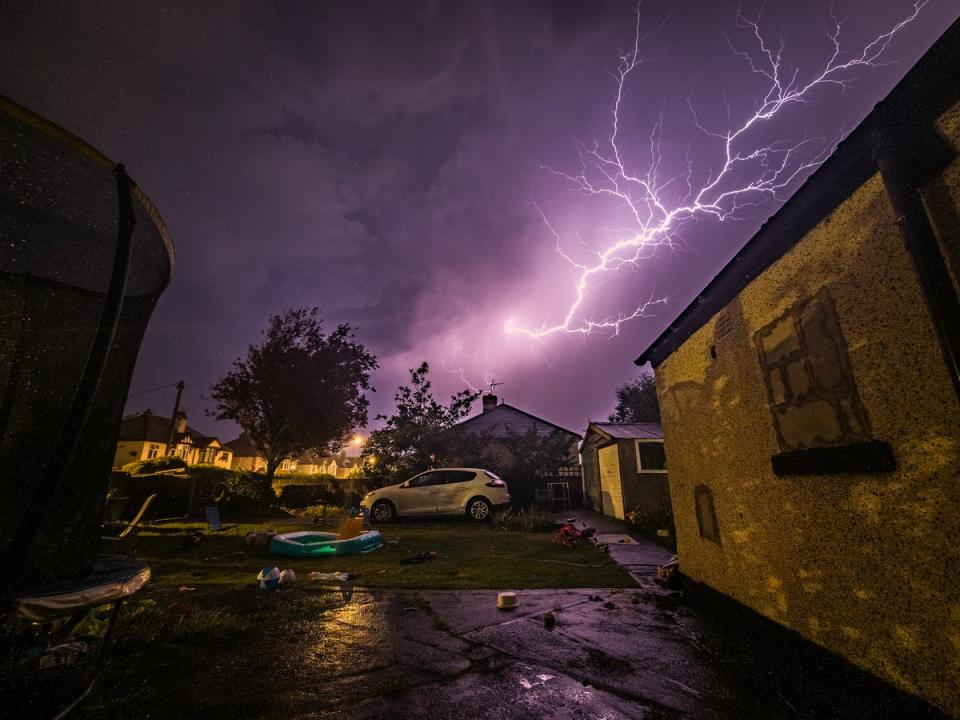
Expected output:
{"points": [[453, 468]]}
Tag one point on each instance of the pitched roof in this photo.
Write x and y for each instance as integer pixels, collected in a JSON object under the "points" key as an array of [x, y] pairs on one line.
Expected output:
{"points": [[243, 447], [922, 96], [504, 416], [629, 431], [149, 427]]}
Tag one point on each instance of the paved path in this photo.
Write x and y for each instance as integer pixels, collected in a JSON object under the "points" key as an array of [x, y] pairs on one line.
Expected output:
{"points": [[640, 557]]}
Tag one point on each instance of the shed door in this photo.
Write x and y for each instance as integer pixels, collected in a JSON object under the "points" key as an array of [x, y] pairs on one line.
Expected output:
{"points": [[610, 487]]}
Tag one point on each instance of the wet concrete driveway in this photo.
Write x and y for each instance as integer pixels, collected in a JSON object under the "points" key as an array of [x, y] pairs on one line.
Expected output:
{"points": [[635, 653]]}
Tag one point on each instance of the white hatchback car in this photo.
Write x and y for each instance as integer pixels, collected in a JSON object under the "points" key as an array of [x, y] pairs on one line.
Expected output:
{"points": [[444, 491]]}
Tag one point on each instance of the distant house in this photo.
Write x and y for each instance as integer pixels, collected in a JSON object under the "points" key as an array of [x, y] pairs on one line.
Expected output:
{"points": [[500, 420], [313, 463], [246, 456], [625, 469], [147, 436], [810, 400]]}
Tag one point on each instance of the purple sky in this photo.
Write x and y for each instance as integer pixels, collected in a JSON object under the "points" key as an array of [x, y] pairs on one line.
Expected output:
{"points": [[382, 161]]}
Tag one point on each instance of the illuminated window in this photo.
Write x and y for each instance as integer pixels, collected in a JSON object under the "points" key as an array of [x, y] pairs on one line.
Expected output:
{"points": [[153, 451]]}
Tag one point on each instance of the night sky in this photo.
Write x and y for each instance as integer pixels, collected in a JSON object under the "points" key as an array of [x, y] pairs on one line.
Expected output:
{"points": [[383, 161]]}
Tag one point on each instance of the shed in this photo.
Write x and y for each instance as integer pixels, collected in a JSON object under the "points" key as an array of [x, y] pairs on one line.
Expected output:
{"points": [[624, 469]]}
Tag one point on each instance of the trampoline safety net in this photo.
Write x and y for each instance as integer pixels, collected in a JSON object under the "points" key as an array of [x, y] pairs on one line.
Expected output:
{"points": [[84, 256]]}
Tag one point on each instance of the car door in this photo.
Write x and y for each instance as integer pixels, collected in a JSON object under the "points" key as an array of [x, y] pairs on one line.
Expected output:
{"points": [[418, 495], [450, 495]]}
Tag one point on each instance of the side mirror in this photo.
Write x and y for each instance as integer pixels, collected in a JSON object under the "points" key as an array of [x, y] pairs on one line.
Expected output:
{"points": [[405, 484]]}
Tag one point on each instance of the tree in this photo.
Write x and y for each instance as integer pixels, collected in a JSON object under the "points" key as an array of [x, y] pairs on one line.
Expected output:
{"points": [[300, 389], [637, 401], [418, 435]]}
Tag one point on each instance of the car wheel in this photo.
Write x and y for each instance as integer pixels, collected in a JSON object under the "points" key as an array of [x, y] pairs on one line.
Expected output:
{"points": [[383, 511], [479, 509]]}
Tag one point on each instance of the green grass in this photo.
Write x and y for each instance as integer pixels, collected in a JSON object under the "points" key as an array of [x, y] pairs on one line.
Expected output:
{"points": [[468, 557]]}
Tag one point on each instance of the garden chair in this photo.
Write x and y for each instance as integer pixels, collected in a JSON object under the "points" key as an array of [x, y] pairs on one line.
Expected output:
{"points": [[214, 523], [129, 533]]}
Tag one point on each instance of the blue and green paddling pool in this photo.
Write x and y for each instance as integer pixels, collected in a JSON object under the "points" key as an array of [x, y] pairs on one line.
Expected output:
{"points": [[312, 544]]}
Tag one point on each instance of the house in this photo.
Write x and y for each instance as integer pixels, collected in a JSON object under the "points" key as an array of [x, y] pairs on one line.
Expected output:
{"points": [[499, 420], [810, 400], [147, 436], [313, 463], [246, 456], [339, 466], [625, 469]]}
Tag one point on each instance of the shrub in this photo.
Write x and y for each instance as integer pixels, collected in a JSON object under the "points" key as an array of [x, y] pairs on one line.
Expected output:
{"points": [[302, 479], [647, 520], [295, 496], [145, 467], [524, 520], [250, 486]]}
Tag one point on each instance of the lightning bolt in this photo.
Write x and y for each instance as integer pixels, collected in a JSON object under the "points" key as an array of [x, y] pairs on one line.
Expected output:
{"points": [[750, 174], [460, 374]]}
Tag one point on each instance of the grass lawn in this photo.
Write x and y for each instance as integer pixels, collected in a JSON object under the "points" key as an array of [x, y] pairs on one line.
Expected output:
{"points": [[468, 557]]}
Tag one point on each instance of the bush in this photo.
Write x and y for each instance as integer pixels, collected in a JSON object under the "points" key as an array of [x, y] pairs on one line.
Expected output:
{"points": [[145, 467], [302, 479], [647, 521], [524, 520], [244, 492], [296, 496]]}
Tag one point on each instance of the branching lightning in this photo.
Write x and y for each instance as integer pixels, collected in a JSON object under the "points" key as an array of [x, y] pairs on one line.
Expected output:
{"points": [[751, 172]]}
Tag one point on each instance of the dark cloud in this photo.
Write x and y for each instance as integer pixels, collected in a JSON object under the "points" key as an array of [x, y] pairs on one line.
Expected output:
{"points": [[378, 160]]}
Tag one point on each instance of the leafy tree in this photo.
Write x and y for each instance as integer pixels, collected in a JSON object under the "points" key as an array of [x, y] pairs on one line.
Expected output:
{"points": [[637, 401], [533, 455], [417, 436], [299, 389]]}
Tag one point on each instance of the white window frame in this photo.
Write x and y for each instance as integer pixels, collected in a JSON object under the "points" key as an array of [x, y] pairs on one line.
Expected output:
{"points": [[640, 468], [153, 450]]}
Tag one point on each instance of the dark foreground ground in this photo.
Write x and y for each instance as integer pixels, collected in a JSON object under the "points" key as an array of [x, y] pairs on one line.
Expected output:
{"points": [[340, 652], [635, 653]]}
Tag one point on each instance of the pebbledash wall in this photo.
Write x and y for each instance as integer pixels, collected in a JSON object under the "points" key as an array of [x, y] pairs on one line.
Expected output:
{"points": [[812, 424]]}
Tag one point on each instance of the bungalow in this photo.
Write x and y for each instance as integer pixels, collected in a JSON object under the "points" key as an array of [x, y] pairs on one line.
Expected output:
{"points": [[499, 421], [246, 456], [147, 436], [810, 400], [625, 470]]}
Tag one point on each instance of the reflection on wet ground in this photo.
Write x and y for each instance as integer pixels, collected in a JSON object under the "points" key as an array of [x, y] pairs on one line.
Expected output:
{"points": [[639, 653]]}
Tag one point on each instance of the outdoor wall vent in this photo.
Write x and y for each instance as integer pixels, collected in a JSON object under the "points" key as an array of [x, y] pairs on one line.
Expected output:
{"points": [[723, 327]]}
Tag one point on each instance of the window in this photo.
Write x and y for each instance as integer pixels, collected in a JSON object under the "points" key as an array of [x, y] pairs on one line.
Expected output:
{"points": [[425, 480], [457, 476], [651, 457], [706, 514], [153, 451], [820, 423]]}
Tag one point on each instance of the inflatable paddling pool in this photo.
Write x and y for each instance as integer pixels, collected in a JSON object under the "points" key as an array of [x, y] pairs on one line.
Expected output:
{"points": [[311, 544]]}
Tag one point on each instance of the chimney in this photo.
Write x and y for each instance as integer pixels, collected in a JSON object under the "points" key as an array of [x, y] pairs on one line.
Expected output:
{"points": [[181, 420], [489, 402]]}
